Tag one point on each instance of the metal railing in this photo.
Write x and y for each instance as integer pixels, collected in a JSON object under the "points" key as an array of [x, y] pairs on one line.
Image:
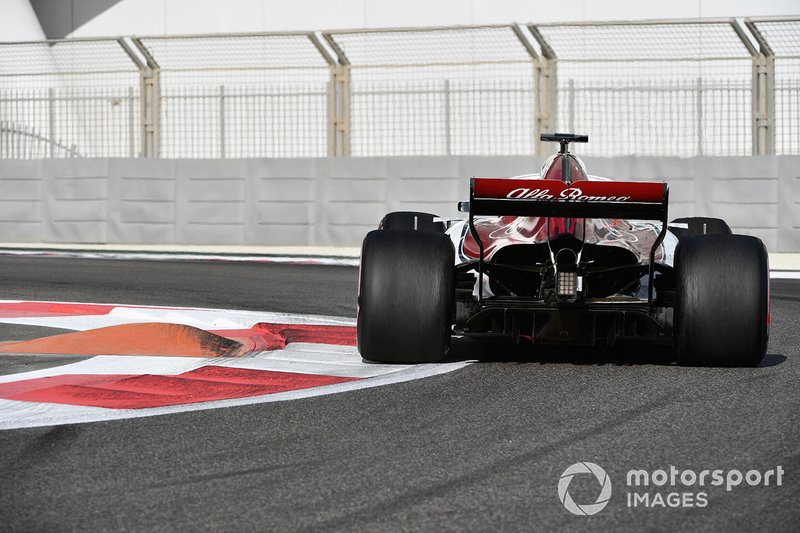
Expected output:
{"points": [[779, 72], [677, 87]]}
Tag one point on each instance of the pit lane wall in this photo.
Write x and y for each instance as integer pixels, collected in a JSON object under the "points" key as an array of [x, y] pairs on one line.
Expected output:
{"points": [[335, 201]]}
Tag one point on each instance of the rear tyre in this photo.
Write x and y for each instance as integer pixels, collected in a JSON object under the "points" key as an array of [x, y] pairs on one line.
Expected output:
{"points": [[412, 220], [721, 300], [700, 226], [405, 299]]}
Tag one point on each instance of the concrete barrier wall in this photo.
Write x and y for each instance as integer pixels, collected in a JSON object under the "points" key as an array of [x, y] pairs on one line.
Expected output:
{"points": [[336, 201]]}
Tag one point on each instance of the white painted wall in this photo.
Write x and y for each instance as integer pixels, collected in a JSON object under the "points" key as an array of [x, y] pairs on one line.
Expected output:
{"points": [[18, 21], [336, 201], [171, 17]]}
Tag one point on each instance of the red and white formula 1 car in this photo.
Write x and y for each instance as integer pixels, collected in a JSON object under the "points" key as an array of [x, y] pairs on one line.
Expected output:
{"points": [[563, 258]]}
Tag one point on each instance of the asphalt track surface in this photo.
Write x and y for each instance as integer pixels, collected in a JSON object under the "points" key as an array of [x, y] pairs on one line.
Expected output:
{"points": [[479, 449]]}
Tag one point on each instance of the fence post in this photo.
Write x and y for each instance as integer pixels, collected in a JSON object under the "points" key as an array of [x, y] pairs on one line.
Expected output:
{"points": [[131, 129], [331, 113], [51, 112], [338, 95], [571, 104], [544, 84], [447, 133], [150, 111], [341, 110], [149, 95], [699, 113], [763, 94], [545, 87], [222, 121], [763, 104]]}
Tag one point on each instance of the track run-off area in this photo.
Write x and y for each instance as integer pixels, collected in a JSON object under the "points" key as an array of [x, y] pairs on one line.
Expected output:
{"points": [[480, 444]]}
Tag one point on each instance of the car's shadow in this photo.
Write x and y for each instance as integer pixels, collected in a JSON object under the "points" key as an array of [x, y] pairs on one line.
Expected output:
{"points": [[492, 350]]}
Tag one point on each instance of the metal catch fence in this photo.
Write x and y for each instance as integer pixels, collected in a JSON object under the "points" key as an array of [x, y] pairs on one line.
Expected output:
{"points": [[679, 87], [779, 42]]}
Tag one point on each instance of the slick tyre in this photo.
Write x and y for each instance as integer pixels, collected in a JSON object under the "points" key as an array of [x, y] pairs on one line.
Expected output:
{"points": [[700, 226], [405, 299], [412, 220], [721, 300]]}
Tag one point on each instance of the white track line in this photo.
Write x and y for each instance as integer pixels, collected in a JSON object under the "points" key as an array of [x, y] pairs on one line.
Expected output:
{"points": [[149, 256], [793, 272], [207, 319], [784, 274]]}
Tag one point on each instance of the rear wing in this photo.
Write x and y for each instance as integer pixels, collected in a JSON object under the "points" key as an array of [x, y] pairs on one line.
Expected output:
{"points": [[582, 199]]}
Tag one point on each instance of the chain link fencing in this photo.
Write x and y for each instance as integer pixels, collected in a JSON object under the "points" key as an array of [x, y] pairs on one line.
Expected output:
{"points": [[660, 88], [76, 98], [780, 40], [441, 91], [241, 96], [671, 88]]}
